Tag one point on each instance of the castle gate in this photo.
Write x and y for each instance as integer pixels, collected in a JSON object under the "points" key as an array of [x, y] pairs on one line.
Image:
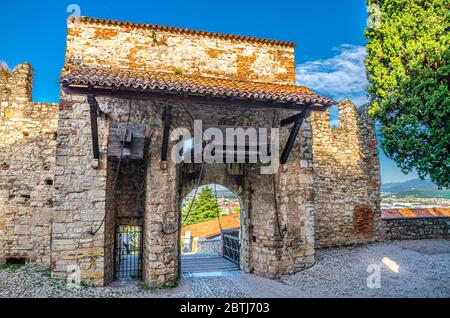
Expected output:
{"points": [[118, 117]]}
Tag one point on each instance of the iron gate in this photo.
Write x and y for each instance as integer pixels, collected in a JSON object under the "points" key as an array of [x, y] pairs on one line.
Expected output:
{"points": [[231, 248], [128, 252]]}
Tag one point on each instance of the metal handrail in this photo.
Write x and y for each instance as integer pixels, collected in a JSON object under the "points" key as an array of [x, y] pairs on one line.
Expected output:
{"points": [[231, 248]]}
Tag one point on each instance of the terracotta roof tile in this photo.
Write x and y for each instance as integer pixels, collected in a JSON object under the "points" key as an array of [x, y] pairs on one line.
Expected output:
{"points": [[211, 228], [415, 212], [156, 27], [194, 85]]}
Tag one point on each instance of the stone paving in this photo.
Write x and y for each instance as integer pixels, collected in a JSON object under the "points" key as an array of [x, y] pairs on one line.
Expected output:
{"points": [[407, 268]]}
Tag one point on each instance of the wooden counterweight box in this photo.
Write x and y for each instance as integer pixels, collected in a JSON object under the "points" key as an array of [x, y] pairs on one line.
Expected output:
{"points": [[133, 148]]}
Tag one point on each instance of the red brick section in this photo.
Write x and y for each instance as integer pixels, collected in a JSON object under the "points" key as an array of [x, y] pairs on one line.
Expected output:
{"points": [[363, 221], [212, 228], [197, 85], [412, 213]]}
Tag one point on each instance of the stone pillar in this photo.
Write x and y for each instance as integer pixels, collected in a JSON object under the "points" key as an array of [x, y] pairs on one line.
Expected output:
{"points": [[245, 233], [161, 250], [296, 197], [261, 245], [80, 194]]}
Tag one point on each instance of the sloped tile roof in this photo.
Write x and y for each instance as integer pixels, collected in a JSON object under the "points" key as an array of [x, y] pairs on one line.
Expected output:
{"points": [[415, 212], [195, 85], [156, 27], [212, 228]]}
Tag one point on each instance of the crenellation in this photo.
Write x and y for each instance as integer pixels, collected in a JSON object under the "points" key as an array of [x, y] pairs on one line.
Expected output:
{"points": [[347, 177], [27, 156]]}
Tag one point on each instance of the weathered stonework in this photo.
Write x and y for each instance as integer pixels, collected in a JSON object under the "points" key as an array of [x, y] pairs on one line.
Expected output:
{"points": [[415, 228], [326, 194], [277, 234], [143, 48], [346, 177], [27, 160]]}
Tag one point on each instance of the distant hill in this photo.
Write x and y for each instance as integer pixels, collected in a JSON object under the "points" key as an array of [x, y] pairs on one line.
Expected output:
{"points": [[415, 188], [221, 191]]}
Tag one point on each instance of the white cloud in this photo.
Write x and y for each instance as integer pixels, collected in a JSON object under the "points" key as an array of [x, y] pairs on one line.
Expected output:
{"points": [[339, 77]]}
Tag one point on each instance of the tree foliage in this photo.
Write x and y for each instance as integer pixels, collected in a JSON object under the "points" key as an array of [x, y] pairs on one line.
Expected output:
{"points": [[204, 208], [408, 70]]}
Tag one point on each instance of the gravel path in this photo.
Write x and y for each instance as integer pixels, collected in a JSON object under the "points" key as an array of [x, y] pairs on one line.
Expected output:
{"points": [[423, 270]]}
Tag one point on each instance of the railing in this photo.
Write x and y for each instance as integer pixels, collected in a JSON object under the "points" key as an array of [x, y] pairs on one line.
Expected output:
{"points": [[231, 248]]}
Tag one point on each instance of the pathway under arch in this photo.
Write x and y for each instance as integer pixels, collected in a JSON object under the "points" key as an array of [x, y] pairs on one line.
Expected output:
{"points": [[203, 251]]}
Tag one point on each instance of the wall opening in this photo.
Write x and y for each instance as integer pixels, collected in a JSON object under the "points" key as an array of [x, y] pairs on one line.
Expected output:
{"points": [[210, 229], [334, 116], [128, 252], [124, 221], [16, 261]]}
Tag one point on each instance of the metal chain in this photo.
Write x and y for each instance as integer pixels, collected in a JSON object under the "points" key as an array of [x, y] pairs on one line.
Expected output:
{"points": [[117, 170], [190, 206], [217, 203]]}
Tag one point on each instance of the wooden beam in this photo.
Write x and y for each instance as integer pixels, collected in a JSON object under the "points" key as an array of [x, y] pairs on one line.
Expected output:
{"points": [[201, 99], [292, 119], [167, 118], [290, 143], [94, 126]]}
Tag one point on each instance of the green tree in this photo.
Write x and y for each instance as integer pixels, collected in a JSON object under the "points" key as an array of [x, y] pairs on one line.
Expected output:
{"points": [[204, 208], [408, 70]]}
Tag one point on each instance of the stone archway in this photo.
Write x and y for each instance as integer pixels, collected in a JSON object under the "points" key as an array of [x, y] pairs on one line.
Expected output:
{"points": [[212, 245], [230, 177], [277, 235]]}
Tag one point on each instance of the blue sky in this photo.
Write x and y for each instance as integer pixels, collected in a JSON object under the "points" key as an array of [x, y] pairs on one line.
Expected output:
{"points": [[329, 36]]}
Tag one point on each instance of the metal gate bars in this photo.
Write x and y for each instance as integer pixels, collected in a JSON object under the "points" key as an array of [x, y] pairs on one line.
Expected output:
{"points": [[128, 252], [231, 248]]}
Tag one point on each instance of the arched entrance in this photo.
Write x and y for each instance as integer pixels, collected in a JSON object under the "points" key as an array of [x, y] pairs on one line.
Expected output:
{"points": [[210, 230]]}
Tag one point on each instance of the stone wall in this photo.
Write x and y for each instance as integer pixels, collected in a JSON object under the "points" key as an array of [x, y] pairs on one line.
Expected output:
{"points": [[129, 195], [277, 216], [277, 237], [415, 228], [279, 231], [142, 47], [27, 161], [346, 177], [83, 191], [326, 194], [207, 246], [80, 194]]}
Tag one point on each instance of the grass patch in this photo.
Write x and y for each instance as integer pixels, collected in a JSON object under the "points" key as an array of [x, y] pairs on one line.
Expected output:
{"points": [[12, 266], [86, 285], [47, 273]]}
